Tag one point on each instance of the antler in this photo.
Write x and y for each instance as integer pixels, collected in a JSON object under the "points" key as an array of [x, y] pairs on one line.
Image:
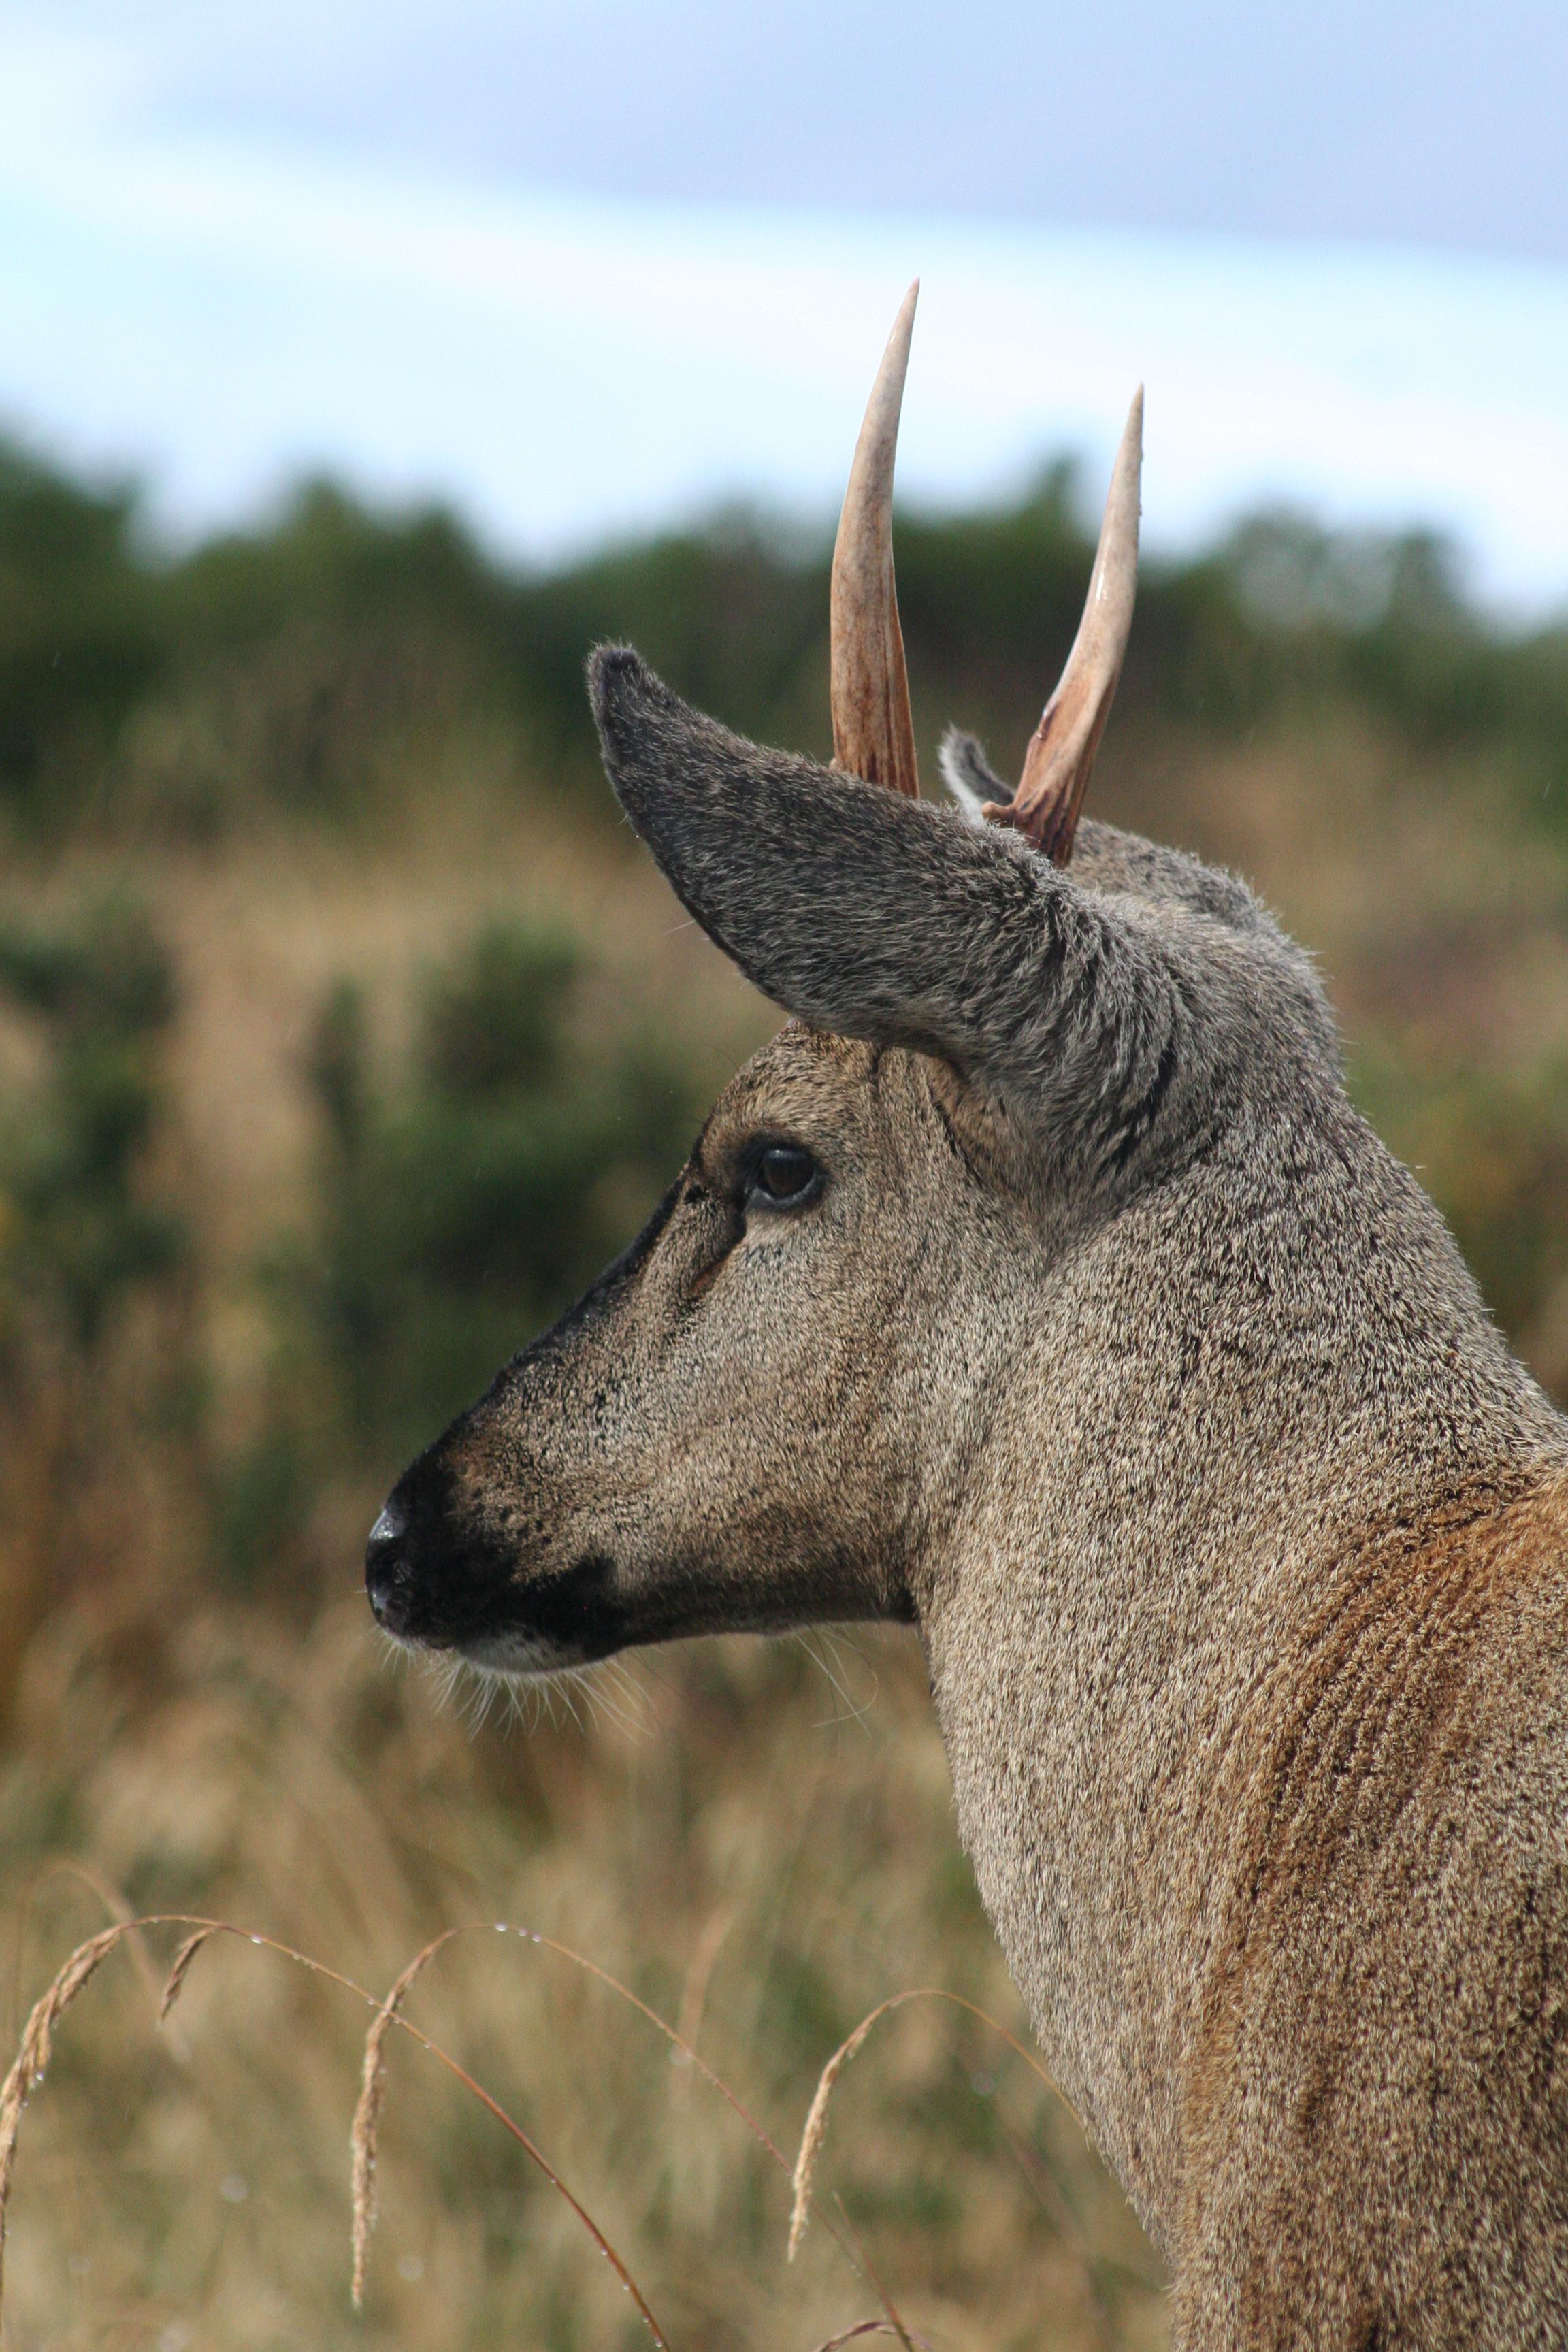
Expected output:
{"points": [[873, 731], [1061, 750]]}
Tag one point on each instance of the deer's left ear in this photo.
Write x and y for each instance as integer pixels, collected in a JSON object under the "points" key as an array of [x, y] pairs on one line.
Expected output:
{"points": [[881, 917]]}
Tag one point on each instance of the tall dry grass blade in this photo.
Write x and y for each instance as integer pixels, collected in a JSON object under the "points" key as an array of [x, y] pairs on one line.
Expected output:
{"points": [[389, 2014], [861, 2327], [894, 2316], [367, 2112], [677, 2042], [815, 2129], [174, 1982], [67, 1866], [32, 2058], [1067, 2227], [537, 2155], [693, 1999], [683, 2049]]}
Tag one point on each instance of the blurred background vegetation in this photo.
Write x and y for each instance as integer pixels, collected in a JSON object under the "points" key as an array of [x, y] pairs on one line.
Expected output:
{"points": [[343, 1034]]}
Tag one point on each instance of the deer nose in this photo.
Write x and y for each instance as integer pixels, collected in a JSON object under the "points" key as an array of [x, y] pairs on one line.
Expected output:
{"points": [[388, 1577]]}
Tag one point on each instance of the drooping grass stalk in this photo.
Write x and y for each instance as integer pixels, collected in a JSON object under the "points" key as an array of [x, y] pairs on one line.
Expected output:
{"points": [[815, 2128], [367, 2112], [33, 2055]]}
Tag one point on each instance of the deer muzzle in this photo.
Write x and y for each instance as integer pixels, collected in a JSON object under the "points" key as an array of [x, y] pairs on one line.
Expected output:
{"points": [[439, 1578]]}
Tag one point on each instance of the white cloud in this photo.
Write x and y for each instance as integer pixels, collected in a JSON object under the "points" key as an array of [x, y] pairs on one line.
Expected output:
{"points": [[225, 311], [1432, 121]]}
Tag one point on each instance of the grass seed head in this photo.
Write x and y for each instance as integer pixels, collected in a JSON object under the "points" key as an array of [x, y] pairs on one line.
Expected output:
{"points": [[367, 2112], [174, 1983], [816, 2130], [32, 2058]]}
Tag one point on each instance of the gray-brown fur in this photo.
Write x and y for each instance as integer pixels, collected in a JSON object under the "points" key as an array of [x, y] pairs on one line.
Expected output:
{"points": [[1117, 1354]]}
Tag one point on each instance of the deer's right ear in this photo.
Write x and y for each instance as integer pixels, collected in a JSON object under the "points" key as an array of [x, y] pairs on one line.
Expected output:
{"points": [[878, 915]]}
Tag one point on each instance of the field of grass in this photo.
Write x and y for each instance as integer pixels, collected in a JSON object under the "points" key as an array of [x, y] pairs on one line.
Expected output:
{"points": [[343, 1034]]}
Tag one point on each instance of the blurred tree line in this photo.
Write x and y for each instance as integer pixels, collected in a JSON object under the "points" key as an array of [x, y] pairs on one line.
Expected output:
{"points": [[294, 666], [311, 672]]}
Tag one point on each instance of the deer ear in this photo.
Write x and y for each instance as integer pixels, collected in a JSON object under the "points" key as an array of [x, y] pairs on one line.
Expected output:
{"points": [[864, 911]]}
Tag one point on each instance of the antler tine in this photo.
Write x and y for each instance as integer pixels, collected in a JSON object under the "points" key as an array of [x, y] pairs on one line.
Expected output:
{"points": [[873, 731], [1061, 750]]}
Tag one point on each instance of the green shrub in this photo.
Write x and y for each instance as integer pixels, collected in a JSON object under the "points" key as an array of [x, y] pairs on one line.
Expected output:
{"points": [[467, 1201], [79, 635], [85, 1225]]}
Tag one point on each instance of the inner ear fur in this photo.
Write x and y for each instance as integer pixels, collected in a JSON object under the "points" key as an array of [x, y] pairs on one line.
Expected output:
{"points": [[892, 919]]}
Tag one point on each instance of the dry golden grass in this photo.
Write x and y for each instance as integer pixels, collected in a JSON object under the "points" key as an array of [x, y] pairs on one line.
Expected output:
{"points": [[322, 1799]]}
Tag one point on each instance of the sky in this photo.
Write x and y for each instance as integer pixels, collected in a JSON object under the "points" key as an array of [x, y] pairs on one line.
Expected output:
{"points": [[582, 266]]}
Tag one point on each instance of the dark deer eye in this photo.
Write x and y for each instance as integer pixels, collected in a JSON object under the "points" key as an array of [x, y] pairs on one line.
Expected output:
{"points": [[785, 1174]]}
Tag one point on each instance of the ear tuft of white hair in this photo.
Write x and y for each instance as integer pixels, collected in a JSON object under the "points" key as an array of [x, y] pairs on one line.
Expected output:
{"points": [[969, 777]]}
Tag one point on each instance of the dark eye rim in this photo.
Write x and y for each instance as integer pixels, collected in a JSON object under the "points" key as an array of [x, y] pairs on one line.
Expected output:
{"points": [[780, 1147]]}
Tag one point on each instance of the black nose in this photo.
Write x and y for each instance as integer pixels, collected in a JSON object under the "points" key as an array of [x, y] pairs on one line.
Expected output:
{"points": [[387, 1579]]}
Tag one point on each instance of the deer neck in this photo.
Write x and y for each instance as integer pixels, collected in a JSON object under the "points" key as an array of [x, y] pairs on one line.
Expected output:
{"points": [[1221, 1413]]}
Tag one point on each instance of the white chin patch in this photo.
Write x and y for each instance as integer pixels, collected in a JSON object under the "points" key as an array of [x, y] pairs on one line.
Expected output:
{"points": [[523, 1655]]}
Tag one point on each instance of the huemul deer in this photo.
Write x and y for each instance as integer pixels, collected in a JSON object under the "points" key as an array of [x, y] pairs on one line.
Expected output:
{"points": [[1039, 1287]]}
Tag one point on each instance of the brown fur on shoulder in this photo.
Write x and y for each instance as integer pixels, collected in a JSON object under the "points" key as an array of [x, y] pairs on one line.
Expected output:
{"points": [[1390, 1998]]}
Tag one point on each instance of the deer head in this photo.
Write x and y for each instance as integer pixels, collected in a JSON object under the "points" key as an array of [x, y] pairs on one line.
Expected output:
{"points": [[764, 1412]]}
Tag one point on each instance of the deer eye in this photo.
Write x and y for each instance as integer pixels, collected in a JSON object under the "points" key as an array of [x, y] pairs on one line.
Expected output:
{"points": [[785, 1174]]}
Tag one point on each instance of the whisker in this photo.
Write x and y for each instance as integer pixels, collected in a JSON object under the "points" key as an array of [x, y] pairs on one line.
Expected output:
{"points": [[851, 1710]]}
